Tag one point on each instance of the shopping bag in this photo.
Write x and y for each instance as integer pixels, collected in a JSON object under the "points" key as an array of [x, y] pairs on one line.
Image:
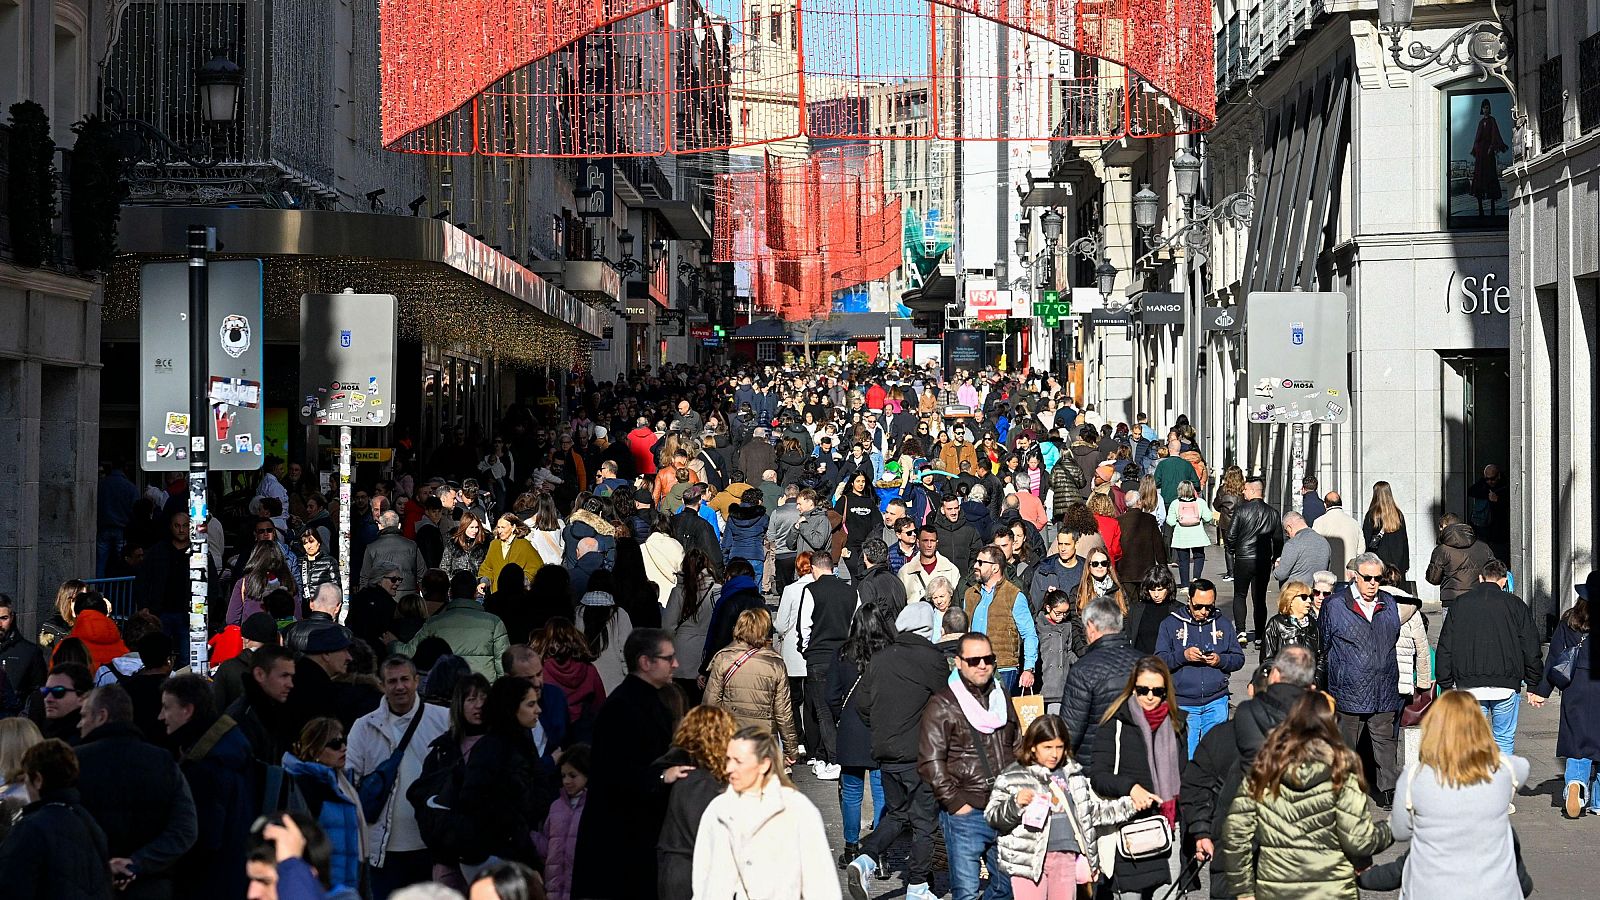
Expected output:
{"points": [[1029, 706]]}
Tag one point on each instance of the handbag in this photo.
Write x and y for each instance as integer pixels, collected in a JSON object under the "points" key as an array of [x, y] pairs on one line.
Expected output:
{"points": [[1143, 838], [1029, 706], [1560, 673], [378, 784], [1411, 713]]}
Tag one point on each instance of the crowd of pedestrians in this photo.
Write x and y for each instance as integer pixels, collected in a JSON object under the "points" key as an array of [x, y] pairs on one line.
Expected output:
{"points": [[583, 656]]}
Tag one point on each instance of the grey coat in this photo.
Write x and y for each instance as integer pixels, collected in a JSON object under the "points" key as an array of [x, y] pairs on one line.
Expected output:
{"points": [[1022, 849]]}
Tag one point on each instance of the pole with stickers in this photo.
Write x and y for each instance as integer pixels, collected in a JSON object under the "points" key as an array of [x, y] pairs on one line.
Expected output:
{"points": [[201, 240], [347, 353]]}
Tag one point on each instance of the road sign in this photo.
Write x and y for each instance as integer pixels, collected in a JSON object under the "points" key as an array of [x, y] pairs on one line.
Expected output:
{"points": [[1297, 350], [236, 419], [347, 353]]}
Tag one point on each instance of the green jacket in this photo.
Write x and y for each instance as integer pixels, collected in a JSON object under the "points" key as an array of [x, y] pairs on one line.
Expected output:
{"points": [[476, 636], [1306, 841]]}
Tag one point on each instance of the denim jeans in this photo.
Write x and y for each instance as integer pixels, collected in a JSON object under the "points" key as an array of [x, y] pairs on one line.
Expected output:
{"points": [[851, 781], [1008, 679], [1502, 715], [967, 840], [1202, 719], [1191, 562], [1583, 772], [760, 565]]}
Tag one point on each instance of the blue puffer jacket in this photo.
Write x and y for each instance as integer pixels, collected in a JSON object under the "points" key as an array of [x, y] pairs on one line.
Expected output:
{"points": [[1197, 683], [746, 532], [337, 813], [1363, 671]]}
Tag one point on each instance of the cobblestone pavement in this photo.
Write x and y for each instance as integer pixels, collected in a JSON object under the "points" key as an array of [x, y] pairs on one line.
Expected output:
{"points": [[1551, 844]]}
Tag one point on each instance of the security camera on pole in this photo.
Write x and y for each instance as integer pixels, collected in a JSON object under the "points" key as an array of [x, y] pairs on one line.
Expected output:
{"points": [[347, 352]]}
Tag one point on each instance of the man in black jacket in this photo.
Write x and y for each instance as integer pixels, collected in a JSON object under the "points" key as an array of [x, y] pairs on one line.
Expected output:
{"points": [[1098, 677], [21, 660], [1256, 536], [959, 541], [826, 607], [136, 795], [879, 585], [1489, 647], [893, 692], [1227, 751]]}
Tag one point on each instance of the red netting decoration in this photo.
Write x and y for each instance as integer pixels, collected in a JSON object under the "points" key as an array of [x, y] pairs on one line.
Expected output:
{"points": [[808, 228], [577, 78]]}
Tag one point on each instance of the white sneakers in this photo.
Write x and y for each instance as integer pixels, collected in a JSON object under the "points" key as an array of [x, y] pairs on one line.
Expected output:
{"points": [[859, 873], [825, 771], [920, 892]]}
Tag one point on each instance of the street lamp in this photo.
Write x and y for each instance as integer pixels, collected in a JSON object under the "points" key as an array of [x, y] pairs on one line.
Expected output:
{"points": [[1146, 206], [1050, 224], [1186, 174], [218, 82], [1482, 44], [1105, 277]]}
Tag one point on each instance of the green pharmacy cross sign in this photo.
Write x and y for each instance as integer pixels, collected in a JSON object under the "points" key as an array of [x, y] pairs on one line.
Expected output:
{"points": [[1051, 309]]}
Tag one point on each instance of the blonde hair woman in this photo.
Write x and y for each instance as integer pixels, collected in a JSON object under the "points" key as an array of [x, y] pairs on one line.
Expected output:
{"points": [[761, 837], [60, 624], [748, 679], [1454, 806], [1384, 529], [17, 734]]}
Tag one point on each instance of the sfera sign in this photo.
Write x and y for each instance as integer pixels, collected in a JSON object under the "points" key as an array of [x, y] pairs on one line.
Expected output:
{"points": [[1477, 295]]}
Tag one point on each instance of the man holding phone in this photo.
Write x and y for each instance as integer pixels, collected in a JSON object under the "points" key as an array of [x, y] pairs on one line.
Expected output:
{"points": [[1201, 648]]}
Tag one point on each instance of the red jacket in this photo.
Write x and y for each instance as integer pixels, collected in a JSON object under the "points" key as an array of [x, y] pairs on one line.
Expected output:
{"points": [[640, 442], [100, 635], [876, 396]]}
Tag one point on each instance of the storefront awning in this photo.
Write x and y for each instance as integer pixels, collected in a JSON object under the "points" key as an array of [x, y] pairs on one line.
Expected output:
{"points": [[453, 289]]}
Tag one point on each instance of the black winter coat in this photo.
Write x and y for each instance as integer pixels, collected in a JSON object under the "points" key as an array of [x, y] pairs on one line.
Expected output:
{"points": [[137, 795], [958, 540], [1256, 532], [854, 738], [687, 800], [880, 586], [215, 759], [56, 852], [1579, 734], [1093, 685], [1394, 549], [1282, 630], [1488, 640], [1214, 759], [897, 686], [1111, 779], [627, 804], [23, 664], [503, 792]]}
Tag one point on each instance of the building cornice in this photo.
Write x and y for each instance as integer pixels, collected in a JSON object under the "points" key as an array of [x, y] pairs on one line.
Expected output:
{"points": [[72, 286]]}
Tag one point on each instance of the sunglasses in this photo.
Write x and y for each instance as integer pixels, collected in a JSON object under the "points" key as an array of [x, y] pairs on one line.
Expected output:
{"points": [[1365, 577], [392, 579], [336, 743], [1159, 693], [56, 691], [976, 661], [1202, 607], [1322, 593], [1100, 564], [1300, 597]]}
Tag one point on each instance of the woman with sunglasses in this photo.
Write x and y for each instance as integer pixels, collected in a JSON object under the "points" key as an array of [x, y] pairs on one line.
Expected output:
{"points": [[1140, 753], [316, 762], [1295, 623], [1100, 580]]}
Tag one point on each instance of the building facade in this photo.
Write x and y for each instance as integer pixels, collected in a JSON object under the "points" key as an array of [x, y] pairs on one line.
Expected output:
{"points": [[1554, 203], [50, 359]]}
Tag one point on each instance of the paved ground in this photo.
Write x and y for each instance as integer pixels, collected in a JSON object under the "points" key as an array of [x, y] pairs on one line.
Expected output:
{"points": [[1554, 848]]}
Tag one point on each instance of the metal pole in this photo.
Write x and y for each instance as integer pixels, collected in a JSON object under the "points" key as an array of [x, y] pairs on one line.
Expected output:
{"points": [[344, 519], [1299, 463], [201, 240]]}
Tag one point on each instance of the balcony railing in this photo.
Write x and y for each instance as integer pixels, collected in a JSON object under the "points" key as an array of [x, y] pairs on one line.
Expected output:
{"points": [[1589, 82], [1258, 35], [1552, 104], [645, 174]]}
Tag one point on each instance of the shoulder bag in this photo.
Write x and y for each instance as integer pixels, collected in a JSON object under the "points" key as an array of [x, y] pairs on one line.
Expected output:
{"points": [[1560, 673], [377, 785], [1147, 838], [1411, 713]]}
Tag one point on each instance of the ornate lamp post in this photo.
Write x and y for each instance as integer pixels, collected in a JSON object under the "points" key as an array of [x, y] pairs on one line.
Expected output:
{"points": [[1483, 45]]}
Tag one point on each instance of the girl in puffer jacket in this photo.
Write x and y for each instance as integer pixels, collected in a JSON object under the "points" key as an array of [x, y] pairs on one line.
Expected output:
{"points": [[557, 841], [1048, 816]]}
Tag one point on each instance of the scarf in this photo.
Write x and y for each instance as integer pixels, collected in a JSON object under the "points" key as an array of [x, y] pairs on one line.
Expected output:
{"points": [[1161, 752], [1102, 585], [987, 719]]}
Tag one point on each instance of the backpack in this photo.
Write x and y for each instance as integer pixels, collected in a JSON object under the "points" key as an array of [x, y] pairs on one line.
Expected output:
{"points": [[1188, 512], [446, 831]]}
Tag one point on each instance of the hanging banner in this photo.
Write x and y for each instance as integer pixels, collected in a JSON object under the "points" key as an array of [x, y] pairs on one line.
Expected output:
{"points": [[1226, 319], [1160, 308], [1297, 350], [234, 425]]}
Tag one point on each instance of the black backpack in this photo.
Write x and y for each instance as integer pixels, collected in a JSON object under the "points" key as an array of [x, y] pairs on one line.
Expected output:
{"points": [[433, 796]]}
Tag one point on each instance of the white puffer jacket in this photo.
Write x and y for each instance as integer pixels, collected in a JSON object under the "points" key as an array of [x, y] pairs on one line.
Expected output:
{"points": [[1022, 849]]}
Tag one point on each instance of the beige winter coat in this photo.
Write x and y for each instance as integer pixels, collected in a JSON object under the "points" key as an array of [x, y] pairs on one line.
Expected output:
{"points": [[763, 846], [757, 692], [1413, 652]]}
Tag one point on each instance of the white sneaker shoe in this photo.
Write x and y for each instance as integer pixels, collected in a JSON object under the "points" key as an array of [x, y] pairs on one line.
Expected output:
{"points": [[858, 875], [920, 892], [828, 771]]}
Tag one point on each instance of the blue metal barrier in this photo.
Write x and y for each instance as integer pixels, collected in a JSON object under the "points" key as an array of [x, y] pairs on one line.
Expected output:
{"points": [[117, 590]]}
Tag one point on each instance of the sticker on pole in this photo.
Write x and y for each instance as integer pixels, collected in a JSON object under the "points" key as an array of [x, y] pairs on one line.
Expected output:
{"points": [[235, 335]]}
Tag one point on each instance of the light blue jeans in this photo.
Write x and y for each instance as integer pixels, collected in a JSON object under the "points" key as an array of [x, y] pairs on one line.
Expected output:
{"points": [[1202, 719], [1582, 771], [1502, 716], [852, 780]]}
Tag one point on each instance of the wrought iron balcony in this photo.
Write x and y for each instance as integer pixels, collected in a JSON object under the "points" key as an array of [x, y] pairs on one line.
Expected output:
{"points": [[1589, 83], [1552, 104]]}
